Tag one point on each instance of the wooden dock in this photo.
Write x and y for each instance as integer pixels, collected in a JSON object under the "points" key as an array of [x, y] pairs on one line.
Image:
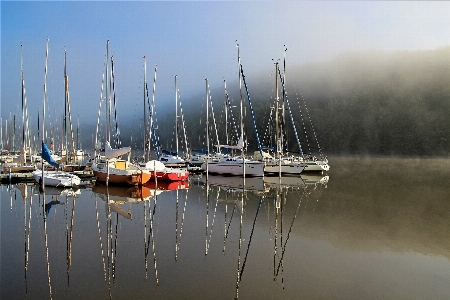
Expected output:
{"points": [[85, 175]]}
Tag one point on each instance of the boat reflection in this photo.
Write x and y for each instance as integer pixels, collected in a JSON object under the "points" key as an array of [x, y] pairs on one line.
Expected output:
{"points": [[121, 194], [235, 183], [276, 183], [167, 185], [56, 191], [238, 215], [315, 179]]}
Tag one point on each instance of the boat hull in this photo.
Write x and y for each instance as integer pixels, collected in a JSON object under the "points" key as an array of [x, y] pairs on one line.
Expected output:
{"points": [[57, 178], [251, 168], [289, 169], [123, 178], [316, 166]]}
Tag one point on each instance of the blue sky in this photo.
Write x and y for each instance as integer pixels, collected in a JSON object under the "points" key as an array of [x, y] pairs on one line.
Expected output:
{"points": [[191, 39]]}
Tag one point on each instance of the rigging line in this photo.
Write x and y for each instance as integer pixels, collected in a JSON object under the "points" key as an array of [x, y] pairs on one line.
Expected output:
{"points": [[70, 117], [268, 132], [311, 124], [100, 239], [290, 113], [213, 116], [182, 223], [251, 235], [251, 110], [287, 238], [183, 124], [113, 87], [304, 126], [231, 218], [233, 121], [214, 217], [98, 116]]}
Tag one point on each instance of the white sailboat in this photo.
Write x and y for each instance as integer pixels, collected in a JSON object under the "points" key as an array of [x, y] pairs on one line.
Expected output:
{"points": [[280, 165], [235, 165]]}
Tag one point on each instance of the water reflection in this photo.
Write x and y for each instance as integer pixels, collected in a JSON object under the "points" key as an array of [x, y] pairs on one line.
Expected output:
{"points": [[290, 238]]}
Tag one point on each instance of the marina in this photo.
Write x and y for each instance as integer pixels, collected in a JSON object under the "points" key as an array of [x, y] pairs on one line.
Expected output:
{"points": [[321, 172]]}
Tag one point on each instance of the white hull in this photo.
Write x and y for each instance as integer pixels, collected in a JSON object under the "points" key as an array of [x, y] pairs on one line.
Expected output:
{"points": [[316, 166], [230, 166], [286, 168], [57, 178]]}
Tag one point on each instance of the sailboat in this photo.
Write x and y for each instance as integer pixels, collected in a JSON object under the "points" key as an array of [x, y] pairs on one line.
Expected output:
{"points": [[160, 168], [47, 177], [115, 170], [313, 164], [280, 165], [234, 165], [111, 168]]}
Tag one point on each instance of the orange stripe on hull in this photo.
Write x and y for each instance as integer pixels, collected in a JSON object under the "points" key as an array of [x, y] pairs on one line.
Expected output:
{"points": [[134, 179]]}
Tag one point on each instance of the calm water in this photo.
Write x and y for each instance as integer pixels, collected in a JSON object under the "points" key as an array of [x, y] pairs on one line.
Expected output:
{"points": [[374, 229]]}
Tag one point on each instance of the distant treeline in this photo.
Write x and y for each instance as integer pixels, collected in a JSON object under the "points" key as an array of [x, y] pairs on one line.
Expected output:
{"points": [[376, 103]]}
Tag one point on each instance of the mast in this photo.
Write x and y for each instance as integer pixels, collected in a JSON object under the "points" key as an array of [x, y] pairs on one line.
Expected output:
{"points": [[176, 113], [240, 97], [146, 156], [68, 110], [152, 109], [43, 112], [78, 133], [106, 97], [23, 100], [65, 108], [284, 127], [14, 132], [226, 112], [277, 129], [207, 129]]}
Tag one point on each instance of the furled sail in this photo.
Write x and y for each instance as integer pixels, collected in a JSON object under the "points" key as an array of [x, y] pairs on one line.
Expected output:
{"points": [[112, 153], [240, 145]]}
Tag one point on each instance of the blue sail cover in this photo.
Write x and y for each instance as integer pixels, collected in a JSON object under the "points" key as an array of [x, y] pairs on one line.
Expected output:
{"points": [[202, 151], [46, 155], [167, 152]]}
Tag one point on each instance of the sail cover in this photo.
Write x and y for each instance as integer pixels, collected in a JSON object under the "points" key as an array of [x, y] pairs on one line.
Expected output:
{"points": [[240, 145], [46, 155], [112, 153]]}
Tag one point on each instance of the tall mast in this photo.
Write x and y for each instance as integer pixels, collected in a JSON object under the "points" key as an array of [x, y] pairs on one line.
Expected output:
{"points": [[43, 111], [226, 112], [145, 112], [277, 130], [106, 97], [23, 98], [207, 129], [176, 113], [284, 127], [240, 97], [65, 107], [151, 114], [68, 110]]}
